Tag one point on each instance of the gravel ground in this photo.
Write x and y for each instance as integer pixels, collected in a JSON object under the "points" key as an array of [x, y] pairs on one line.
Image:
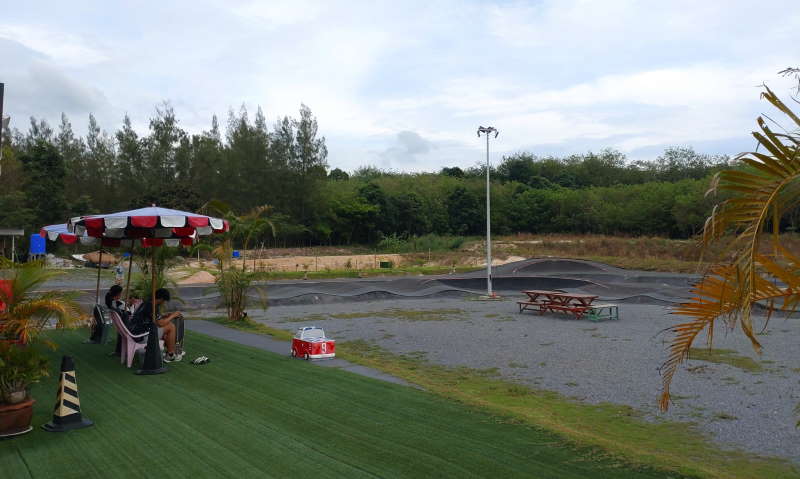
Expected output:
{"points": [[610, 361]]}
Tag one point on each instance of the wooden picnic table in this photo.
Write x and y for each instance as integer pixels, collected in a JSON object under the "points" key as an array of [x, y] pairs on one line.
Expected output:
{"points": [[557, 301]]}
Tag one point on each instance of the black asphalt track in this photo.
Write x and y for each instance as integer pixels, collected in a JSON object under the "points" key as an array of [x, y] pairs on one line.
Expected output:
{"points": [[608, 282]]}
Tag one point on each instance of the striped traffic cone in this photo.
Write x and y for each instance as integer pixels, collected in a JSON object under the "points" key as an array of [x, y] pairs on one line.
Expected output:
{"points": [[67, 413]]}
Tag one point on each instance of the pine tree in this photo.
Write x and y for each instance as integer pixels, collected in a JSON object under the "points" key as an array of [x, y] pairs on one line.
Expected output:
{"points": [[100, 162], [73, 150], [44, 186], [130, 161], [309, 165]]}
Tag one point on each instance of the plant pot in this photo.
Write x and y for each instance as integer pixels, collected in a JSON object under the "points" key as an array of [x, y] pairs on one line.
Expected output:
{"points": [[15, 419]]}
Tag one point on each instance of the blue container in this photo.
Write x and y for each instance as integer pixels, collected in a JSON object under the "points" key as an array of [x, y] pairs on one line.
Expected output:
{"points": [[37, 245], [236, 253]]}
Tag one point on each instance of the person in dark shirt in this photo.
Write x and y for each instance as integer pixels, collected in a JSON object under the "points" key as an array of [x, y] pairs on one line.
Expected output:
{"points": [[142, 322], [112, 297]]}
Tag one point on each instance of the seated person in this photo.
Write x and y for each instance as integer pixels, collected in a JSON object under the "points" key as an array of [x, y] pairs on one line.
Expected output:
{"points": [[142, 322], [133, 303], [113, 301]]}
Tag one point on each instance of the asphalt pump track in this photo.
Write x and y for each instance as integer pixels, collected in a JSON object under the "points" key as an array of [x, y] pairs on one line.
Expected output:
{"points": [[576, 276]]}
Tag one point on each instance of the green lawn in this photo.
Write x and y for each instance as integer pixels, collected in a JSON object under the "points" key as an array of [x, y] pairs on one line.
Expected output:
{"points": [[251, 413]]}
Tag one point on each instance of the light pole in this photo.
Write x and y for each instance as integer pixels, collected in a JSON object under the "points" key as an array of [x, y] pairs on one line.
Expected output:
{"points": [[488, 131], [3, 125]]}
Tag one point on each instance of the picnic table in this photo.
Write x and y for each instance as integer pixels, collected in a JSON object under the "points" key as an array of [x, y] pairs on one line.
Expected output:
{"points": [[557, 301]]}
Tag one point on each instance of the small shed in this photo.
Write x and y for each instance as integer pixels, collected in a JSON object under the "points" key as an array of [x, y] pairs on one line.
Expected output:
{"points": [[13, 233]]}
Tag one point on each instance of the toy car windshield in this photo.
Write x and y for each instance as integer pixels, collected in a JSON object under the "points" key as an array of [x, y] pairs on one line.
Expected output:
{"points": [[311, 333]]}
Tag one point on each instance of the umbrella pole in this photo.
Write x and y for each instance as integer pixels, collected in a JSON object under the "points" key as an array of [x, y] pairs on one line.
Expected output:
{"points": [[128, 283], [153, 285], [97, 290]]}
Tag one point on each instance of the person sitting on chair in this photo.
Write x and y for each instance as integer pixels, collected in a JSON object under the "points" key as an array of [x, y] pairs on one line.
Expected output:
{"points": [[113, 301], [133, 303], [167, 331]]}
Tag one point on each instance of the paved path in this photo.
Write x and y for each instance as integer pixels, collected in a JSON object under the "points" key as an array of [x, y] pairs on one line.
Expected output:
{"points": [[282, 347]]}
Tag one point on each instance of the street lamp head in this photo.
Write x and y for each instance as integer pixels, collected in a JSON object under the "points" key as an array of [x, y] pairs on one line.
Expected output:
{"points": [[488, 130]]}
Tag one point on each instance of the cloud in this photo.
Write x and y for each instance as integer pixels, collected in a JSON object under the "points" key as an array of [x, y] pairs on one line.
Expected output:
{"points": [[408, 146], [406, 84], [62, 48], [37, 87], [280, 13]]}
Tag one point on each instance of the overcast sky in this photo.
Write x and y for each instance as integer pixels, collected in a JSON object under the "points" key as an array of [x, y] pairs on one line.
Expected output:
{"points": [[403, 84]]}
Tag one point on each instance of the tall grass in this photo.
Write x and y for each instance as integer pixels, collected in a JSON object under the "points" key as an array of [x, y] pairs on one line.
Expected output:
{"points": [[643, 252], [413, 244]]}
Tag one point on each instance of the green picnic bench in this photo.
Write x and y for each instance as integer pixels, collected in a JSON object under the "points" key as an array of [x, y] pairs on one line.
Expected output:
{"points": [[602, 312]]}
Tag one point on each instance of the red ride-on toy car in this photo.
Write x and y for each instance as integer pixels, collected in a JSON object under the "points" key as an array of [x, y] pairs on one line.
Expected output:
{"points": [[310, 343]]}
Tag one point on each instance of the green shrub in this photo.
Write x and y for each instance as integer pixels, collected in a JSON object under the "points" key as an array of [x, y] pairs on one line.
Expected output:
{"points": [[413, 244]]}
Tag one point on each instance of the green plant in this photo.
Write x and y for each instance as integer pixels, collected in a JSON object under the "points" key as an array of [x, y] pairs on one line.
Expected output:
{"points": [[233, 283], [27, 311], [166, 259], [19, 368], [394, 243]]}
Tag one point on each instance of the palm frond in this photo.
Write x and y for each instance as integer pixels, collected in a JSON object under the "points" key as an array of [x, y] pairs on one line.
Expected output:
{"points": [[767, 185], [26, 319]]}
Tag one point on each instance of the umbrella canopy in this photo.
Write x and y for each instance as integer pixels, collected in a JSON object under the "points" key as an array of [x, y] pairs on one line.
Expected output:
{"points": [[62, 233], [155, 226]]}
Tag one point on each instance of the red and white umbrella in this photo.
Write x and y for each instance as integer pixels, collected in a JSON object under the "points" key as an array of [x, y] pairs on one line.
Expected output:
{"points": [[62, 233], [154, 226]]}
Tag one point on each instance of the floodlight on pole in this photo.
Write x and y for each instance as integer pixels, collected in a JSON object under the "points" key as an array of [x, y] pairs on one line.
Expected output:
{"points": [[488, 131], [3, 125]]}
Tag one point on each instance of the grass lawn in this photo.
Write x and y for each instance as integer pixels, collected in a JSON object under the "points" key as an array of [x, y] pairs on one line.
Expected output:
{"points": [[615, 429], [250, 413]]}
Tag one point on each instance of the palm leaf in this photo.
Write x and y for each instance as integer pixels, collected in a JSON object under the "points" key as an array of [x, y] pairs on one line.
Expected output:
{"points": [[28, 312], [768, 185]]}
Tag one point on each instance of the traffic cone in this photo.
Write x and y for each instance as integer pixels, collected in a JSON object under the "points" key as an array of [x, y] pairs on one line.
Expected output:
{"points": [[153, 362], [67, 413]]}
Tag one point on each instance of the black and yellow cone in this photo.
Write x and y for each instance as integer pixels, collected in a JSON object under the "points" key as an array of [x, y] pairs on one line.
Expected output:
{"points": [[67, 413]]}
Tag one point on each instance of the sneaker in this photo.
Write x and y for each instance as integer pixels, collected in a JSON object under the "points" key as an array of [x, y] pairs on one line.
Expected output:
{"points": [[180, 355], [169, 357]]}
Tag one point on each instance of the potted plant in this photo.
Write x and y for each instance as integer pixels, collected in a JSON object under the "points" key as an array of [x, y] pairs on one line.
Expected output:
{"points": [[20, 366], [24, 314]]}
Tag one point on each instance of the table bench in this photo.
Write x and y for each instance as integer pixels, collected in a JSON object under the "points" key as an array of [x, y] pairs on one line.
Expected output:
{"points": [[601, 312], [557, 301]]}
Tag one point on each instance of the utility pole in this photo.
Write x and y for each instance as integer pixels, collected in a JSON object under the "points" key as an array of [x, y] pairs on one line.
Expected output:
{"points": [[3, 125], [488, 131]]}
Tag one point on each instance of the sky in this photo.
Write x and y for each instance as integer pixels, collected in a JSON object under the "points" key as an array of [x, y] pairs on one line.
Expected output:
{"points": [[403, 85]]}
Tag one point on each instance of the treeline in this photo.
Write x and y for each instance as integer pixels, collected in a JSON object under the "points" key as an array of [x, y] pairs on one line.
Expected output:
{"points": [[50, 174]]}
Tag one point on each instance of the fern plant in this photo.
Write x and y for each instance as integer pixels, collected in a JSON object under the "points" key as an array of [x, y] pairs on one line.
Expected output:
{"points": [[760, 192]]}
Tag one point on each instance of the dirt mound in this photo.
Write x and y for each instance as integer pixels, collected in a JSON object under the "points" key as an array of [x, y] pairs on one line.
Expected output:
{"points": [[107, 259], [201, 277]]}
